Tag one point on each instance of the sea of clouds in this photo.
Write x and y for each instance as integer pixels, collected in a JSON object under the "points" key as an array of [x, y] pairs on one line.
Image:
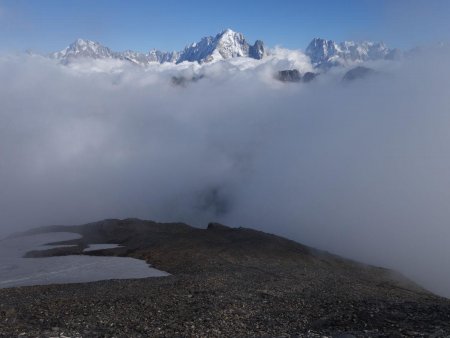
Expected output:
{"points": [[360, 168]]}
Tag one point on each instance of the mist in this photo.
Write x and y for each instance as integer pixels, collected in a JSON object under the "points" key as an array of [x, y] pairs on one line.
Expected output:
{"points": [[360, 169]]}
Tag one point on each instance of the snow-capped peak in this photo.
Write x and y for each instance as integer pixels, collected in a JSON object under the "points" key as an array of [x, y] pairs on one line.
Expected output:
{"points": [[225, 45], [231, 44], [228, 31], [326, 53], [84, 48]]}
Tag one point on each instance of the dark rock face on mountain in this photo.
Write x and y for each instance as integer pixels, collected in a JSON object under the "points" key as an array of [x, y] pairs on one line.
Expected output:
{"points": [[357, 73], [225, 282], [293, 75], [257, 51]]}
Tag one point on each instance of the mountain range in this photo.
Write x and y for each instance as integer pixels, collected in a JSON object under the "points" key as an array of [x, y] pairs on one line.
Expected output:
{"points": [[230, 44], [326, 53], [225, 45]]}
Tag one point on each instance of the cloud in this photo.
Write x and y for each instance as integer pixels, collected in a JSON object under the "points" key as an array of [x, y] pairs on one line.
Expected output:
{"points": [[359, 169]]}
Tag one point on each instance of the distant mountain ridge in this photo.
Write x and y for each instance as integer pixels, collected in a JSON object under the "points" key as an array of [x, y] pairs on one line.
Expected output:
{"points": [[225, 45], [230, 44], [327, 53]]}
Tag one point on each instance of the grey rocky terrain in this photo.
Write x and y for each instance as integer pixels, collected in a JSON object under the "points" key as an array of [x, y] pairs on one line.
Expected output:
{"points": [[225, 282]]}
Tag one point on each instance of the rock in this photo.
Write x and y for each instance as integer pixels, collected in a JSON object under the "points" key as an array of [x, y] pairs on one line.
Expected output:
{"points": [[218, 226], [292, 75], [183, 81], [309, 76], [359, 72]]}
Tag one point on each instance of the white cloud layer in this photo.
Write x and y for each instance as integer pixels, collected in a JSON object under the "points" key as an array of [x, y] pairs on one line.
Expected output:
{"points": [[361, 169]]}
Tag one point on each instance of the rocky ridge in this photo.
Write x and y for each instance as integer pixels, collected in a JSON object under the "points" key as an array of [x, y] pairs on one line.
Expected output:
{"points": [[229, 44], [233, 282]]}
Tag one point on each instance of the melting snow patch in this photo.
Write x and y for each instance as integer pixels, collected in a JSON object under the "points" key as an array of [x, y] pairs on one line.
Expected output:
{"points": [[95, 247], [18, 271]]}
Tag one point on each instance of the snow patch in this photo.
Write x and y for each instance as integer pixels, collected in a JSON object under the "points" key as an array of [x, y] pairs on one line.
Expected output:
{"points": [[18, 271]]}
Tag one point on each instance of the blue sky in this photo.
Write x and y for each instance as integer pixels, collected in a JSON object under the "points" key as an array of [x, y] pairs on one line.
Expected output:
{"points": [[48, 25]]}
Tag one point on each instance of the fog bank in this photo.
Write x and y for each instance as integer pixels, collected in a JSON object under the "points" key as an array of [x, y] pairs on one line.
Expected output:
{"points": [[361, 169]]}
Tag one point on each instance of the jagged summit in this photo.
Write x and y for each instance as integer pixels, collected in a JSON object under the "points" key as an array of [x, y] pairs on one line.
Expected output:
{"points": [[225, 45], [326, 53], [84, 48]]}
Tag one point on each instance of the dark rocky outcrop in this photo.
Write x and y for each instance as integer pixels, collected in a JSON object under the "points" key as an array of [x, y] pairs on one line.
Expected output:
{"points": [[357, 73], [294, 75], [257, 51], [309, 76], [184, 81], [218, 227]]}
